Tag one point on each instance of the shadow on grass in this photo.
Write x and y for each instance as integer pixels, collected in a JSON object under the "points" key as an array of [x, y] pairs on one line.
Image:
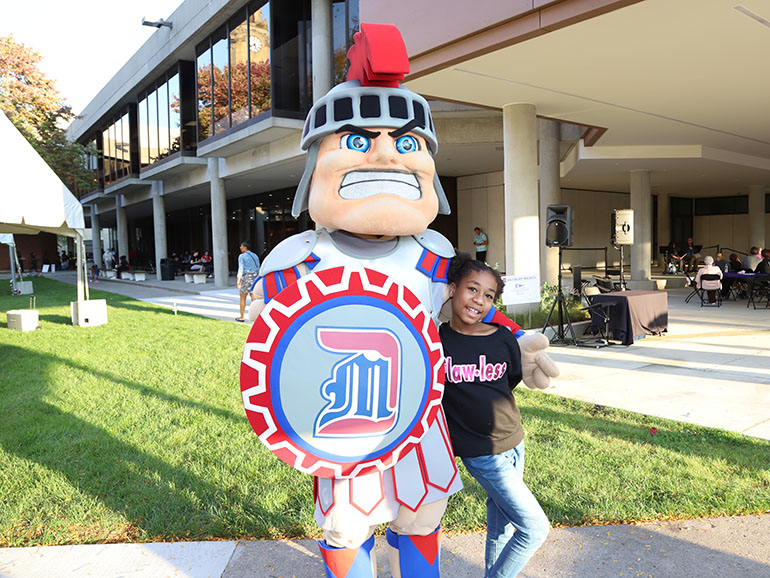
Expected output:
{"points": [[58, 319], [157, 499]]}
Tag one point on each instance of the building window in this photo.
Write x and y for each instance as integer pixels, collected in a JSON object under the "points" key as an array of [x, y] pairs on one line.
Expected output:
{"points": [[116, 149], [737, 205], [203, 77], [345, 24], [233, 72], [160, 119]]}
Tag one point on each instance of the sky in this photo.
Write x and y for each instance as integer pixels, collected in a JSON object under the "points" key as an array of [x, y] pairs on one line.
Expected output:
{"points": [[83, 42]]}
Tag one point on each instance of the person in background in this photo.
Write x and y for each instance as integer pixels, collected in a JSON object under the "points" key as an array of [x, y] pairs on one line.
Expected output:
{"points": [[763, 267], [123, 265], [720, 262], [689, 256], [711, 287], [481, 242], [109, 259], [207, 263], [248, 270], [750, 261], [734, 265]]}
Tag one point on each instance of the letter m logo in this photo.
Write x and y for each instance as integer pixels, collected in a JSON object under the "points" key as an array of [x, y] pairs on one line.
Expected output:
{"points": [[362, 394]]}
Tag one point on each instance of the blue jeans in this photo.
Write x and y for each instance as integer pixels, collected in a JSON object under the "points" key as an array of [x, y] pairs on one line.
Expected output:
{"points": [[510, 506]]}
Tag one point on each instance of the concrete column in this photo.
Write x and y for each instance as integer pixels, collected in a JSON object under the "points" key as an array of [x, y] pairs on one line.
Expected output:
{"points": [[757, 233], [550, 193], [664, 219], [159, 224], [218, 224], [664, 225], [122, 226], [96, 238], [321, 15], [522, 231], [641, 204]]}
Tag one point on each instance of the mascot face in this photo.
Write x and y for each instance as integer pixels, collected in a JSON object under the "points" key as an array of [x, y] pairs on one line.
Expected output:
{"points": [[374, 182]]}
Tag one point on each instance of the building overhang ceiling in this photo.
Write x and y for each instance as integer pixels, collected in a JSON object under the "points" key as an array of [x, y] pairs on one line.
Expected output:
{"points": [[679, 86]]}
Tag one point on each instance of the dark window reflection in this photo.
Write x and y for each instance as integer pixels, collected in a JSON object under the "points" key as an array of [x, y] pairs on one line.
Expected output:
{"points": [[144, 151], [163, 145], [152, 115], [239, 70], [221, 87], [259, 57], [204, 94], [174, 114], [344, 26]]}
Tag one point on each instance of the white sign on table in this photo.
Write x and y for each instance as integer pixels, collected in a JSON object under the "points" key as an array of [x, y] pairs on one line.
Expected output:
{"points": [[520, 289]]}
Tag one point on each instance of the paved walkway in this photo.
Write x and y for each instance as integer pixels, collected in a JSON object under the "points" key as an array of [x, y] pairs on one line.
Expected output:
{"points": [[710, 369]]}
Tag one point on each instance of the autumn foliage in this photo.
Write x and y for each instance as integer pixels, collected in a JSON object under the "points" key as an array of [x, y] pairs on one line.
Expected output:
{"points": [[31, 102]]}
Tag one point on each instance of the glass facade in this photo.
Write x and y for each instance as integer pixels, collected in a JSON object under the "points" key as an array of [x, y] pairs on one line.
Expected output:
{"points": [[160, 120], [345, 23], [233, 72], [116, 149], [261, 61]]}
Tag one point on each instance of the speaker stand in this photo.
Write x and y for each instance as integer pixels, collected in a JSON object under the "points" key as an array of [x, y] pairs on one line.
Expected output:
{"points": [[560, 304], [622, 282]]}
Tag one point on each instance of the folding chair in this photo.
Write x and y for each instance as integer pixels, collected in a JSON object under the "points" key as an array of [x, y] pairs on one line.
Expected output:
{"points": [[696, 291], [759, 289], [604, 284], [711, 288], [601, 310]]}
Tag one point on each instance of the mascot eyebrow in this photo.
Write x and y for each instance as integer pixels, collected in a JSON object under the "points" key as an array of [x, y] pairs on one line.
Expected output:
{"points": [[357, 130], [405, 129]]}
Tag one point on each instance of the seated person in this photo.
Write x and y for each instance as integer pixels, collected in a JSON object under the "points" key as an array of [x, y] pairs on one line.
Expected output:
{"points": [[689, 256], [750, 261], [711, 287], [763, 267], [123, 265], [195, 262], [674, 260], [719, 261], [734, 266], [207, 263]]}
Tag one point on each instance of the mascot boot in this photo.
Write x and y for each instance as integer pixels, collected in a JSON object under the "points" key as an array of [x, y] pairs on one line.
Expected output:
{"points": [[349, 562], [413, 556]]}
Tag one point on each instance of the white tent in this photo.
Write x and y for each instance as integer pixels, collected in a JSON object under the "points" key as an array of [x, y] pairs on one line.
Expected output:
{"points": [[33, 199]]}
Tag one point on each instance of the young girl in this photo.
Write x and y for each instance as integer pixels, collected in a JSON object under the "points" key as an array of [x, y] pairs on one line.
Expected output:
{"points": [[483, 365]]}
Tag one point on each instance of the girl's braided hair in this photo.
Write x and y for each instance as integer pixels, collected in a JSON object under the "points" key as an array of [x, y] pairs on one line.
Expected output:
{"points": [[463, 265]]}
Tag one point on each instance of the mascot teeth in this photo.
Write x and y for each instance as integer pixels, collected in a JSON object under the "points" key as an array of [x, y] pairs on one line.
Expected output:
{"points": [[361, 184]]}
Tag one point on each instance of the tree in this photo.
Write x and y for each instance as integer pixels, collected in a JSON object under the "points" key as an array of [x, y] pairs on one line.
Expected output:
{"points": [[34, 106]]}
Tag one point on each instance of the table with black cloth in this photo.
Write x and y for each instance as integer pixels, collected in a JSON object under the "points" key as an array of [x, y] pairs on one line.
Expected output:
{"points": [[635, 313], [730, 277]]}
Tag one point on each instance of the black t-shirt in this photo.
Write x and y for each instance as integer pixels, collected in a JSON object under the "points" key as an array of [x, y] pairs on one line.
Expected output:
{"points": [[480, 374]]}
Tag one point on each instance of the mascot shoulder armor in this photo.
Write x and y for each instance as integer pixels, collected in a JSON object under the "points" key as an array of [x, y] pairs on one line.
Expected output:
{"points": [[435, 243], [289, 252]]}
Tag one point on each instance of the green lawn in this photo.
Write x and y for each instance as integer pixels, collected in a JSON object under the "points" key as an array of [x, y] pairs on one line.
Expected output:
{"points": [[134, 431]]}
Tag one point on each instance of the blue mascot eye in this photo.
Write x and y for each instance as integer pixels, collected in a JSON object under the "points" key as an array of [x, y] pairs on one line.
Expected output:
{"points": [[356, 142], [407, 144]]}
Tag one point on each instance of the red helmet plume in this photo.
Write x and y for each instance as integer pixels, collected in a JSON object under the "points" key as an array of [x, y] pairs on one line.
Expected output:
{"points": [[378, 56]]}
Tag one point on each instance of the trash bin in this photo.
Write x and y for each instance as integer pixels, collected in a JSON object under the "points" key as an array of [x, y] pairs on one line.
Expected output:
{"points": [[166, 270]]}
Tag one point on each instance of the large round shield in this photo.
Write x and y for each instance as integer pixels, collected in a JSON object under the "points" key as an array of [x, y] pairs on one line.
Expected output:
{"points": [[342, 373]]}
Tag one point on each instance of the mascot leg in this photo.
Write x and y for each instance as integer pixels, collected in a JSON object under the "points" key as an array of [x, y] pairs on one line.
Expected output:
{"points": [[414, 541], [415, 555], [349, 562]]}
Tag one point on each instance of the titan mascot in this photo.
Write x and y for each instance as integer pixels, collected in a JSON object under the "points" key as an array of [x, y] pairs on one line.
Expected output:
{"points": [[342, 375]]}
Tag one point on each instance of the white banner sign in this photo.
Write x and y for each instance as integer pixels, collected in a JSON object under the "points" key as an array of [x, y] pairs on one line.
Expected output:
{"points": [[521, 289]]}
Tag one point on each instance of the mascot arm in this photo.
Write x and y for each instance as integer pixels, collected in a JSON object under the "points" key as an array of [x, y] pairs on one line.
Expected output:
{"points": [[537, 368], [258, 289]]}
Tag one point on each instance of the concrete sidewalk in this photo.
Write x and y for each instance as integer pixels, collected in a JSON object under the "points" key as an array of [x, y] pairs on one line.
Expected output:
{"points": [[737, 547]]}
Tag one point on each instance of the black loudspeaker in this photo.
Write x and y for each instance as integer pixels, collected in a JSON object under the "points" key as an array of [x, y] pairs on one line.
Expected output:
{"points": [[622, 227], [558, 226]]}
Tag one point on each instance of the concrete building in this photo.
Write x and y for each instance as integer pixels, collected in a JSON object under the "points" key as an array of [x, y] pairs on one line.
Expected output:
{"points": [[653, 105]]}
